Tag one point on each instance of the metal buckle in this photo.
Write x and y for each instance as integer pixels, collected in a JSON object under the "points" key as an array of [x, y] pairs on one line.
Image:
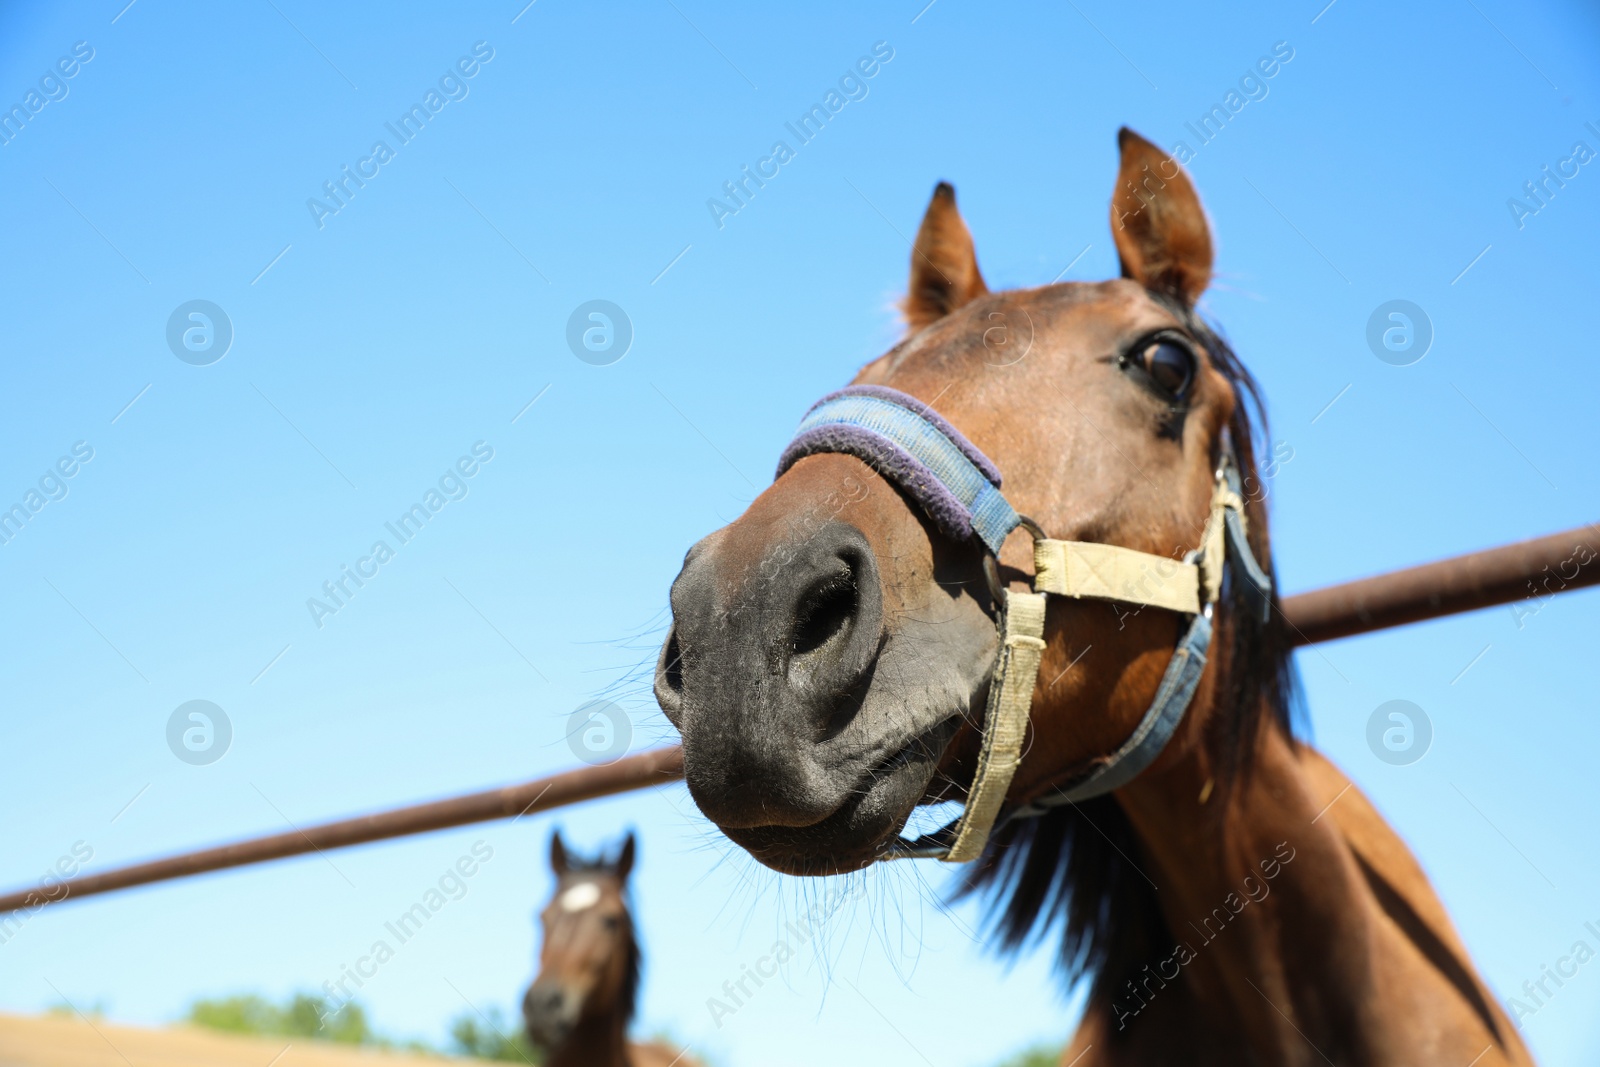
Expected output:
{"points": [[991, 564]]}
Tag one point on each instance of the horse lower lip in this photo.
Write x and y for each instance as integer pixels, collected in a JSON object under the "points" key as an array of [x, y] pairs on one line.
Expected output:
{"points": [[874, 810], [931, 742], [924, 748]]}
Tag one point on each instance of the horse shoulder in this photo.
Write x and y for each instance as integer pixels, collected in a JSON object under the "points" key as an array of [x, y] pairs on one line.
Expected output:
{"points": [[1377, 846], [1402, 894], [1175, 1029]]}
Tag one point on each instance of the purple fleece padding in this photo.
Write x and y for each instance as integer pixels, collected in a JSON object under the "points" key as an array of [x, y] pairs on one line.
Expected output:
{"points": [[892, 463], [917, 407]]}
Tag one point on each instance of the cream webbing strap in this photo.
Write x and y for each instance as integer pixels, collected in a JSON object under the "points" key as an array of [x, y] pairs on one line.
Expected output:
{"points": [[1213, 552], [1108, 572], [1005, 722]]}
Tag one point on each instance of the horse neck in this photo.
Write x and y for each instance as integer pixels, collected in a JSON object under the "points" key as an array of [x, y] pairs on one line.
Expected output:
{"points": [[1253, 883], [598, 1040]]}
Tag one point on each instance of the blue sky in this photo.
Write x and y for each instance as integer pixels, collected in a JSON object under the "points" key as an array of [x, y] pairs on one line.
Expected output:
{"points": [[369, 354]]}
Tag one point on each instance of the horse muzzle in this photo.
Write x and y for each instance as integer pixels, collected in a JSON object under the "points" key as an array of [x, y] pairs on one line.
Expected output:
{"points": [[764, 673], [550, 1011]]}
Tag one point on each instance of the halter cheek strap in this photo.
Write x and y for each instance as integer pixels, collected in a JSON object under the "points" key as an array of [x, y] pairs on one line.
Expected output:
{"points": [[958, 487]]}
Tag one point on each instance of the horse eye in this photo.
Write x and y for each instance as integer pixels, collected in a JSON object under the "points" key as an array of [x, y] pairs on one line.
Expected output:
{"points": [[1169, 365], [613, 923]]}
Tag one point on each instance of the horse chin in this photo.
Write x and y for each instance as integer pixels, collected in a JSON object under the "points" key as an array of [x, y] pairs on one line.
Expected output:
{"points": [[856, 834], [548, 1036]]}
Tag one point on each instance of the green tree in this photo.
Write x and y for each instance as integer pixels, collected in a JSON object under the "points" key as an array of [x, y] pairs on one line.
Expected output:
{"points": [[1038, 1056], [492, 1039], [248, 1014], [311, 1016], [347, 1025], [304, 1015]]}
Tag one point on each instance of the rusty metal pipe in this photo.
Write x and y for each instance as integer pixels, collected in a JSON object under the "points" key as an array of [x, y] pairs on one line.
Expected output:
{"points": [[569, 787], [1530, 570]]}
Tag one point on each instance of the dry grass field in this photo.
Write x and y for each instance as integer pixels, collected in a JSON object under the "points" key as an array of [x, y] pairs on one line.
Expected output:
{"points": [[68, 1041]]}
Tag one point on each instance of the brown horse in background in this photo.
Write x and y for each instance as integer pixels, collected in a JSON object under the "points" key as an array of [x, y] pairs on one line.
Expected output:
{"points": [[1239, 902], [579, 1007]]}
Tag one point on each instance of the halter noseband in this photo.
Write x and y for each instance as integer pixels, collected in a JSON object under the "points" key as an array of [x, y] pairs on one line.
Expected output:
{"points": [[908, 443]]}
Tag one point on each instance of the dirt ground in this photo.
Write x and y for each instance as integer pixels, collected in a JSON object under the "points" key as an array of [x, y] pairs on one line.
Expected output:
{"points": [[68, 1041]]}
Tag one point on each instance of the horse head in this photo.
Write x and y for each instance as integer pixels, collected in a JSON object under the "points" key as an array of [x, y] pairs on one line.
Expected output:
{"points": [[589, 960], [833, 648]]}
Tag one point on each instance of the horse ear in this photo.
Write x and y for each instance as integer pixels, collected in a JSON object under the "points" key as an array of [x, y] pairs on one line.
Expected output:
{"points": [[944, 267], [558, 854], [624, 865], [1157, 223]]}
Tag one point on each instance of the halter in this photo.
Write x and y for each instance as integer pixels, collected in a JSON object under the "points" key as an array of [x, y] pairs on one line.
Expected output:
{"points": [[908, 443]]}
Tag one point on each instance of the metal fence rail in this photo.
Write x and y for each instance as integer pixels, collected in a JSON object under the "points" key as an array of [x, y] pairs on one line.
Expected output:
{"points": [[1527, 570]]}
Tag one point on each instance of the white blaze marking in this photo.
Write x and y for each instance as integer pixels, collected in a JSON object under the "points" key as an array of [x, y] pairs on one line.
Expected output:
{"points": [[581, 896]]}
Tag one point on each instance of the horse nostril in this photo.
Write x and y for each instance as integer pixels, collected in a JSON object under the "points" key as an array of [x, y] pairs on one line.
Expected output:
{"points": [[826, 611], [672, 663], [669, 679], [542, 1001]]}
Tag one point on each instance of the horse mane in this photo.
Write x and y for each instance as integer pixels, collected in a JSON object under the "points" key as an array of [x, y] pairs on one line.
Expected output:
{"points": [[1072, 866]]}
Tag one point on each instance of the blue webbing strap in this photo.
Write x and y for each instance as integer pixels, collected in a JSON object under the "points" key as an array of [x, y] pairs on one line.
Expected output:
{"points": [[1159, 723], [1182, 675], [1239, 547]]}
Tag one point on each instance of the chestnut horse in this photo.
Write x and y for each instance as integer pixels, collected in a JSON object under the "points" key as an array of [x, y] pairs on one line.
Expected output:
{"points": [[1235, 902], [578, 1009]]}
